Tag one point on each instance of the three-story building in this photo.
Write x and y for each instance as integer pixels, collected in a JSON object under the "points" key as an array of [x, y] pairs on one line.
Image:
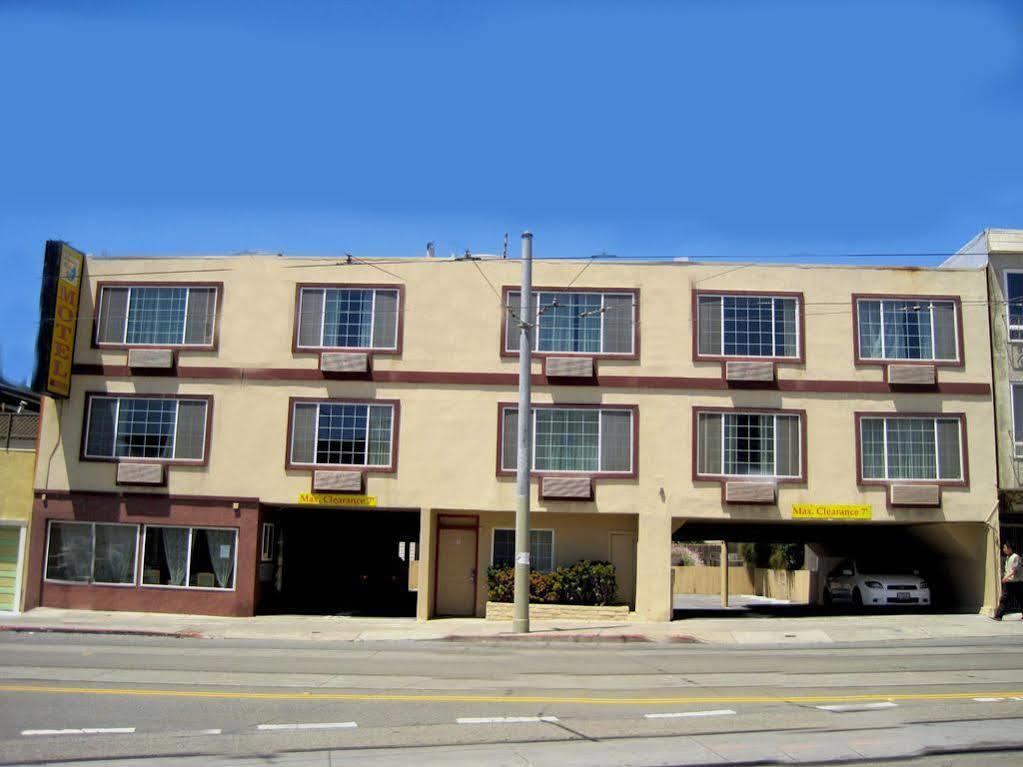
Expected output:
{"points": [[254, 432]]}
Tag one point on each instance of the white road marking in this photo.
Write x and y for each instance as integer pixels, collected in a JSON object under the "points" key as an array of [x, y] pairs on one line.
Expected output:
{"points": [[83, 731], [504, 719], [679, 714], [858, 707], [307, 726]]}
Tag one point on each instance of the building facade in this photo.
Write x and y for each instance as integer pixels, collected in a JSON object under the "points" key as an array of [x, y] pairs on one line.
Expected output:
{"points": [[1000, 252], [255, 433], [19, 428]]}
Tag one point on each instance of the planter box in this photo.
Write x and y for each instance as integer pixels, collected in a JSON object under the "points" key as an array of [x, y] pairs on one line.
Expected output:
{"points": [[502, 611]]}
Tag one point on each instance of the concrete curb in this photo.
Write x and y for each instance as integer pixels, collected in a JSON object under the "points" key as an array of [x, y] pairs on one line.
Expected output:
{"points": [[112, 632]]}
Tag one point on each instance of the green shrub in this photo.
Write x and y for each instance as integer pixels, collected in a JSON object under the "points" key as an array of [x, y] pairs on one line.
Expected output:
{"points": [[786, 556], [584, 583]]}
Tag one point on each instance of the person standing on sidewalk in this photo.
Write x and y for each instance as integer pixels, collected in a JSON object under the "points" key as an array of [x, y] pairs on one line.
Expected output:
{"points": [[1012, 580]]}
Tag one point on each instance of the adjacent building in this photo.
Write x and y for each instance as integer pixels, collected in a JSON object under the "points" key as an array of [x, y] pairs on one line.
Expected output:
{"points": [[19, 427], [259, 433], [1000, 252]]}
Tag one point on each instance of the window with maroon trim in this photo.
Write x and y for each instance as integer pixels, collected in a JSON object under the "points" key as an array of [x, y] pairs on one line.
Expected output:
{"points": [[747, 325], [575, 322], [567, 439], [348, 318], [738, 444], [333, 433], [159, 428], [907, 329], [911, 447], [157, 315]]}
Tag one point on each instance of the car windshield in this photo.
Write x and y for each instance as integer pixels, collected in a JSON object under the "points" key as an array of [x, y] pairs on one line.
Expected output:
{"points": [[878, 567]]}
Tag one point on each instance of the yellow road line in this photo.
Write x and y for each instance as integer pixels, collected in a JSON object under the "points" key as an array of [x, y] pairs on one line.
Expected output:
{"points": [[412, 698]]}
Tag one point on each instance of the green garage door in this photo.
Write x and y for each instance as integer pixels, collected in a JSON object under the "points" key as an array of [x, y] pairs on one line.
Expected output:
{"points": [[8, 565]]}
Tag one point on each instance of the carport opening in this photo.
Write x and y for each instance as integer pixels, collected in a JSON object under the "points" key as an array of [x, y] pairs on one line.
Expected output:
{"points": [[949, 556], [335, 562]]}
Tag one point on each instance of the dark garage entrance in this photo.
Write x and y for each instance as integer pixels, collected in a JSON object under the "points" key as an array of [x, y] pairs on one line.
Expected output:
{"points": [[339, 562]]}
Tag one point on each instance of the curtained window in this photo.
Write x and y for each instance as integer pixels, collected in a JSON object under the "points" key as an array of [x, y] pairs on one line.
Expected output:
{"points": [[747, 326], [740, 444], [342, 433], [911, 448], [907, 329], [161, 428], [566, 439], [88, 552], [581, 322], [189, 557], [541, 549], [157, 315]]}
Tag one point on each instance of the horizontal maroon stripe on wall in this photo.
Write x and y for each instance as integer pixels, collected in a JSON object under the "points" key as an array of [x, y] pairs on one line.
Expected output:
{"points": [[511, 379]]}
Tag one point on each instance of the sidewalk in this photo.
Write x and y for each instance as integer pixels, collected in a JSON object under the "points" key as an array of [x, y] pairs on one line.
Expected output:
{"points": [[707, 630]]}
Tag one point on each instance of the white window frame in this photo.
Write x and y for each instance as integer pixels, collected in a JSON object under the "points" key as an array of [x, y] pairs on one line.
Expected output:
{"points": [[372, 317], [884, 351], [367, 405], [937, 449], [600, 438], [509, 326], [184, 317], [774, 335], [188, 559], [1009, 327], [267, 541], [774, 475], [554, 559], [1017, 439], [174, 434], [92, 568]]}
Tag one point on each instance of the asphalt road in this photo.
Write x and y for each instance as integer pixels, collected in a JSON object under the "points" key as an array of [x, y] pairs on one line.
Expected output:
{"points": [[205, 702]]}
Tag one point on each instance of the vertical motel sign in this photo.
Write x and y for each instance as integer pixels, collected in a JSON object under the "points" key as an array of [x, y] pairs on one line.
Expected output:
{"points": [[58, 318]]}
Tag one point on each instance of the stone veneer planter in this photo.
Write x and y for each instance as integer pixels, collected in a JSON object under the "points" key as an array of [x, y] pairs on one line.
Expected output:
{"points": [[502, 611]]}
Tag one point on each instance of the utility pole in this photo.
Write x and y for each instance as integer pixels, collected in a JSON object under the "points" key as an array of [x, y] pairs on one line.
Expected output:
{"points": [[520, 615]]}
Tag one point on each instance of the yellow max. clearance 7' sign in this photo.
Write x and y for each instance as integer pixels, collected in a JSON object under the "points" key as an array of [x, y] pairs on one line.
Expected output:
{"points": [[840, 511], [336, 499]]}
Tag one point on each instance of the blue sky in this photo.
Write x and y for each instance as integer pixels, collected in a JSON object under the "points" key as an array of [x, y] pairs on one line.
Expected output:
{"points": [[730, 129]]}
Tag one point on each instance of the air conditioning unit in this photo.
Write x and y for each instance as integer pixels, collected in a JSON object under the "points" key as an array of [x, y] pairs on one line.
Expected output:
{"points": [[912, 375], [742, 491], [140, 474], [915, 495], [344, 362], [567, 488], [743, 371], [569, 367], [337, 482], [151, 358]]}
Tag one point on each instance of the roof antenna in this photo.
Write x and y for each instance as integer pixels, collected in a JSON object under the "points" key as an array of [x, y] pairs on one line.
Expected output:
{"points": [[504, 251], [430, 251], [348, 258]]}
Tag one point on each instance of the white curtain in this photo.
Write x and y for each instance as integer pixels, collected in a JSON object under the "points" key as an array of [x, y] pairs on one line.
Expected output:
{"points": [[76, 551], [175, 549], [221, 546]]}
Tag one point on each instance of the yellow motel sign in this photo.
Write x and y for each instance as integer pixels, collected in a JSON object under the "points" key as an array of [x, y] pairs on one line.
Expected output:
{"points": [[336, 499], [65, 319], [833, 511]]}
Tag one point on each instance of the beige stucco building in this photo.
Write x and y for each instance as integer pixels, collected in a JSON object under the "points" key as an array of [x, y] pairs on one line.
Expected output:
{"points": [[227, 413], [19, 427]]}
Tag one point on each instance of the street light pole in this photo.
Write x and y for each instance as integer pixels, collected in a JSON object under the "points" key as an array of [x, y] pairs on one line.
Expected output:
{"points": [[520, 615]]}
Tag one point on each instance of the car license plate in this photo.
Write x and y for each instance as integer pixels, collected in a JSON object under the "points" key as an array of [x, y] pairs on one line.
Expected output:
{"points": [[902, 596]]}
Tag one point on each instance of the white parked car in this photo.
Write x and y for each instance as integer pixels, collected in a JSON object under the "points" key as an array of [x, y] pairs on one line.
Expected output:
{"points": [[871, 584]]}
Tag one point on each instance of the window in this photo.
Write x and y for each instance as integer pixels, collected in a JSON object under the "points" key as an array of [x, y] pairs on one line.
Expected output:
{"points": [[1014, 304], [342, 434], [903, 447], [749, 444], [157, 315], [266, 546], [565, 439], [87, 552], [747, 326], [163, 428], [1017, 420], [189, 557], [348, 318], [907, 329], [541, 549], [575, 322]]}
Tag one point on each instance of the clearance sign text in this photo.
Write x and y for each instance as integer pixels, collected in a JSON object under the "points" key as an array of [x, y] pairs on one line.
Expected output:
{"points": [[336, 499], [830, 511], [65, 317]]}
